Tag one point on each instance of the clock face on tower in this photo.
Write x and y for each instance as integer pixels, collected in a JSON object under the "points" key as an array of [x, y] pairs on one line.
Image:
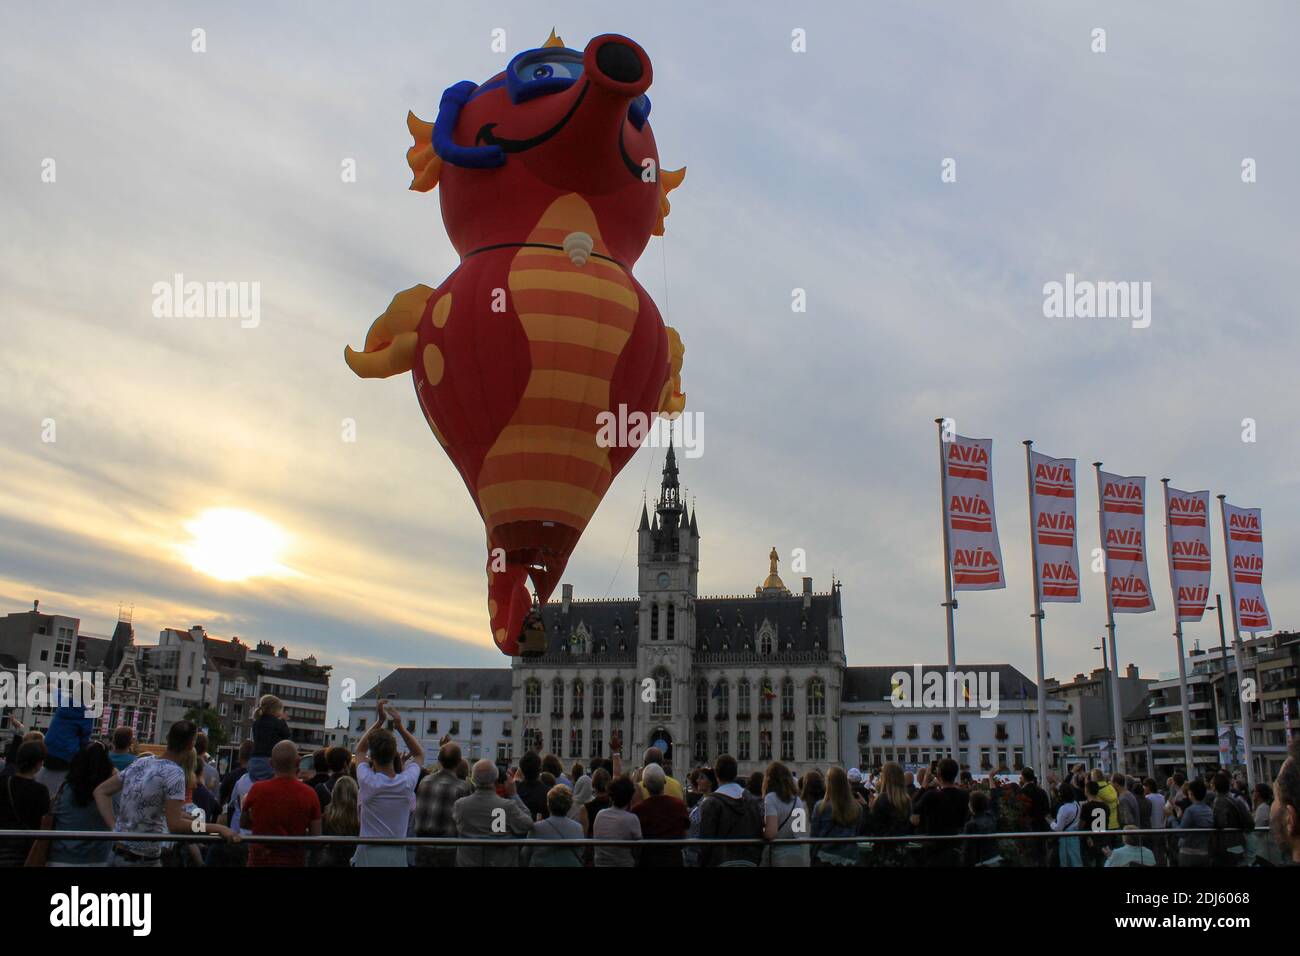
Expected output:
{"points": [[663, 579]]}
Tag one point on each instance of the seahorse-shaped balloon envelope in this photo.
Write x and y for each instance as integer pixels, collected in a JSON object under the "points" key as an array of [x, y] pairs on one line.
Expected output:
{"points": [[550, 190]]}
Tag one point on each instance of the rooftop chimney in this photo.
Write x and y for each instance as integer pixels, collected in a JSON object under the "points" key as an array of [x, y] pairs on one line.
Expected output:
{"points": [[807, 592], [566, 598]]}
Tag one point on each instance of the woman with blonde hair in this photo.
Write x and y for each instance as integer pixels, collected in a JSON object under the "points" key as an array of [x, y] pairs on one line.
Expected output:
{"points": [[269, 728], [839, 814], [341, 818], [784, 817]]}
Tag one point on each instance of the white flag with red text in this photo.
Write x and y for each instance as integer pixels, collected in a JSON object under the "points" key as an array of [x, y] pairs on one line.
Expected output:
{"points": [[1052, 508], [974, 552], [1187, 520], [1244, 544], [1123, 539]]}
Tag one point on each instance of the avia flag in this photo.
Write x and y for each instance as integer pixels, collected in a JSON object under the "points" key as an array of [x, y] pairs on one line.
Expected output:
{"points": [[1187, 535], [1123, 540], [1052, 508], [1243, 534], [973, 550]]}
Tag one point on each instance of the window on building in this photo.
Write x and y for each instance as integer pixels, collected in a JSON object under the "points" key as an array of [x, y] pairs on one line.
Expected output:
{"points": [[598, 698], [724, 699], [597, 742], [663, 702], [579, 697], [557, 740], [787, 745], [654, 621], [742, 745], [702, 697], [63, 647], [361, 723], [701, 746], [433, 727], [765, 644], [455, 727], [575, 743], [557, 698], [787, 697], [533, 697], [743, 696], [672, 621], [817, 744], [765, 745], [476, 728], [724, 742], [766, 692], [410, 726], [503, 751], [816, 698], [616, 697]]}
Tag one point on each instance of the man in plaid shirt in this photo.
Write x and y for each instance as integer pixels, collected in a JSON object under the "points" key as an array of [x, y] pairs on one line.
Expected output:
{"points": [[435, 797]]}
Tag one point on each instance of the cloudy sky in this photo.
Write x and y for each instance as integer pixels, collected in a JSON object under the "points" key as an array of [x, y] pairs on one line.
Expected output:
{"points": [[817, 170]]}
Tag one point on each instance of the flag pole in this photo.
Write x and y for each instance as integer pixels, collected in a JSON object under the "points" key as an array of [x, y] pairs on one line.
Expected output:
{"points": [[1236, 644], [1116, 709], [1178, 634], [950, 603], [1044, 754]]}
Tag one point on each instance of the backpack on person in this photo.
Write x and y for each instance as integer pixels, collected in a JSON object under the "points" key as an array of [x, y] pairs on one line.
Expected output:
{"points": [[1238, 826]]}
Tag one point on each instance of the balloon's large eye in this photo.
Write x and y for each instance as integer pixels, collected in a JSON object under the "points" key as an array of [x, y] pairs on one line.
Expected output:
{"points": [[557, 67], [537, 72]]}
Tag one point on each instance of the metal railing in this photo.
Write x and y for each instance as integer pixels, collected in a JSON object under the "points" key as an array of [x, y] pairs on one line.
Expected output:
{"points": [[1173, 834]]}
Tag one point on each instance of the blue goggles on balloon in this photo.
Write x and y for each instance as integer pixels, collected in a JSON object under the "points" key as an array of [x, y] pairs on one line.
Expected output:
{"points": [[552, 69], [530, 74]]}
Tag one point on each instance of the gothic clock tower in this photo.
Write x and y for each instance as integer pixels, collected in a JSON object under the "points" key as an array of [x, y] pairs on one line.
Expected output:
{"points": [[668, 563]]}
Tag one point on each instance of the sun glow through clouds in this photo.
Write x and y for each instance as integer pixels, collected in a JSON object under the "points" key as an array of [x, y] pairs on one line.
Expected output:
{"points": [[233, 545]]}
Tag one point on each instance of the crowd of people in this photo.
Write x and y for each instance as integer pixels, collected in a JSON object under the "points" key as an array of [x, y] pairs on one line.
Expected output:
{"points": [[65, 780]]}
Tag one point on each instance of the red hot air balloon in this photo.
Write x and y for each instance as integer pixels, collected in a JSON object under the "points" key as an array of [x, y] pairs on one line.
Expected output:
{"points": [[551, 189]]}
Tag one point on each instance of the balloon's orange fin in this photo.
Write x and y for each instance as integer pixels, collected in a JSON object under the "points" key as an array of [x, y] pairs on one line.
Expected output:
{"points": [[669, 179], [391, 341], [425, 163]]}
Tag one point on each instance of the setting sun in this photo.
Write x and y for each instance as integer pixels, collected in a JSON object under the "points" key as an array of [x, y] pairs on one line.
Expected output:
{"points": [[234, 545]]}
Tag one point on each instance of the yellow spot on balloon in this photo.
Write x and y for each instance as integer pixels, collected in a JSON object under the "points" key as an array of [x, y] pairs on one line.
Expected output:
{"points": [[500, 635], [442, 309], [433, 364], [492, 608]]}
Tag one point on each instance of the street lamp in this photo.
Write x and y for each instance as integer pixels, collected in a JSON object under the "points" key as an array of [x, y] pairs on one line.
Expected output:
{"points": [[1105, 690], [1227, 697]]}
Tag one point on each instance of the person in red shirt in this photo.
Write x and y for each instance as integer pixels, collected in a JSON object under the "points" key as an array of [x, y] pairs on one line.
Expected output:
{"points": [[662, 817], [281, 806]]}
